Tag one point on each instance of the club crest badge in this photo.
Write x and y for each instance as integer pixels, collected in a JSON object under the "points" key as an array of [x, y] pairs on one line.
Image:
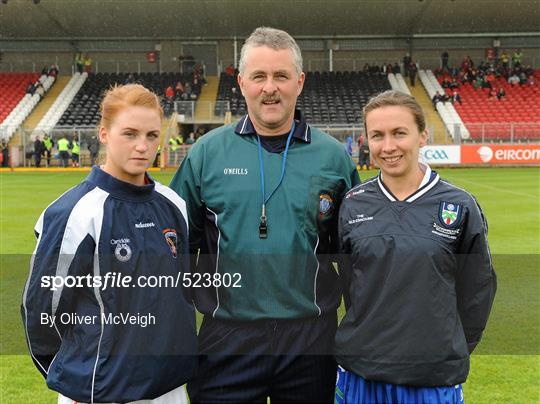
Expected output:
{"points": [[449, 214], [122, 250], [171, 239], [326, 204]]}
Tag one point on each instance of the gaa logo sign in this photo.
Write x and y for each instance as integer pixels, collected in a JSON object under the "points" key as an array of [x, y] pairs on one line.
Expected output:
{"points": [[435, 154], [441, 155]]}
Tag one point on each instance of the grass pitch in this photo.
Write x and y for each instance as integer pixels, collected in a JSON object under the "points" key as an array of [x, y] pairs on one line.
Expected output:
{"points": [[505, 367]]}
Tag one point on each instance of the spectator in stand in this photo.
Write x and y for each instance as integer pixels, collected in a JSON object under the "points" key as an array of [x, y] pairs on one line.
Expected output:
{"points": [[5, 153], [531, 81], [488, 81], [230, 70], [529, 71], [396, 69], [366, 68], [88, 64], [406, 64], [517, 58], [513, 80], [30, 89], [444, 60], [505, 59], [501, 93], [179, 88], [130, 79], [483, 67], [456, 98], [413, 71], [47, 148], [234, 94], [79, 62], [445, 83], [436, 98], [40, 90], [53, 70], [492, 94], [38, 151], [169, 93], [454, 83], [446, 98], [187, 92], [465, 66]]}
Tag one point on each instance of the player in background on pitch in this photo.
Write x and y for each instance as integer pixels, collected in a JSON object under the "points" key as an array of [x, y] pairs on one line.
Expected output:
{"points": [[421, 281]]}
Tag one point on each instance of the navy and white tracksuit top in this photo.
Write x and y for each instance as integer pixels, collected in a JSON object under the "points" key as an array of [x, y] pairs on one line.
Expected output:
{"points": [[98, 349], [420, 282]]}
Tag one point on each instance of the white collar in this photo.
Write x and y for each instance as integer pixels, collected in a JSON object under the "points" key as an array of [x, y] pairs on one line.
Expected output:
{"points": [[425, 184]]}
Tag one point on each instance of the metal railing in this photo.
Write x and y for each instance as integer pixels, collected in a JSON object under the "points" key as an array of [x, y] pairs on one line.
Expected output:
{"points": [[504, 132], [201, 111], [83, 135]]}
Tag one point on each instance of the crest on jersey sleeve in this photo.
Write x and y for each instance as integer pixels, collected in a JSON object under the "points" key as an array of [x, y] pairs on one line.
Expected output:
{"points": [[449, 213], [171, 238], [326, 204]]}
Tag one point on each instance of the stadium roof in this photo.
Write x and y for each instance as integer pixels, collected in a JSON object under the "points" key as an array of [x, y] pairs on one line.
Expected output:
{"points": [[206, 19]]}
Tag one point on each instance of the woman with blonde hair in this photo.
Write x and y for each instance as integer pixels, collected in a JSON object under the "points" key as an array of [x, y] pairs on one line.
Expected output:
{"points": [[104, 320]]}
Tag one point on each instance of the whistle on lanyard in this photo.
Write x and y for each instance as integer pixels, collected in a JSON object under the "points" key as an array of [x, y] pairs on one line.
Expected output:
{"points": [[263, 228]]}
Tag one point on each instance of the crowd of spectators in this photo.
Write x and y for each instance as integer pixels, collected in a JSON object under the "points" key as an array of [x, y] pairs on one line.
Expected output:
{"points": [[36, 87], [188, 90], [485, 75], [486, 72]]}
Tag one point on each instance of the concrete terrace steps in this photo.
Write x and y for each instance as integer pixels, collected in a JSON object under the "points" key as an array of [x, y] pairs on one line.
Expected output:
{"points": [[204, 113], [41, 109], [433, 119]]}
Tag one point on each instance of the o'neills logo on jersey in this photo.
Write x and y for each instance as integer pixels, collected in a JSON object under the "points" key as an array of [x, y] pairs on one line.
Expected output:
{"points": [[235, 171], [142, 225], [122, 251]]}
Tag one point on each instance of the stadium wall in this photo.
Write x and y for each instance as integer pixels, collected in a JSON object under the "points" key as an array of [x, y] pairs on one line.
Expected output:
{"points": [[348, 54]]}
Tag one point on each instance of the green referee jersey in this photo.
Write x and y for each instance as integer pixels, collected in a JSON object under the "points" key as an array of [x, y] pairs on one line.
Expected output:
{"points": [[290, 273]]}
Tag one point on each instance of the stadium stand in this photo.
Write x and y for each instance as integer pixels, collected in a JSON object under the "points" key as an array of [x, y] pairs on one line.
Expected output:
{"points": [[59, 106], [83, 109], [512, 115], [453, 122], [13, 88], [327, 97], [398, 83], [24, 101]]}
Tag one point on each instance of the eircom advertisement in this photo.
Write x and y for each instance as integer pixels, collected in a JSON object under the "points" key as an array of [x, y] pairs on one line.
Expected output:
{"points": [[501, 154], [485, 154]]}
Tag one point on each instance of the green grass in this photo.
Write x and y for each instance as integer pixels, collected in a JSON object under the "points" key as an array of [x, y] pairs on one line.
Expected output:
{"points": [[505, 367]]}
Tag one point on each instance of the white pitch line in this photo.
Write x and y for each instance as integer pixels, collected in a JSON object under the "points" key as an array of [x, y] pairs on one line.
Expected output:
{"points": [[477, 184]]}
